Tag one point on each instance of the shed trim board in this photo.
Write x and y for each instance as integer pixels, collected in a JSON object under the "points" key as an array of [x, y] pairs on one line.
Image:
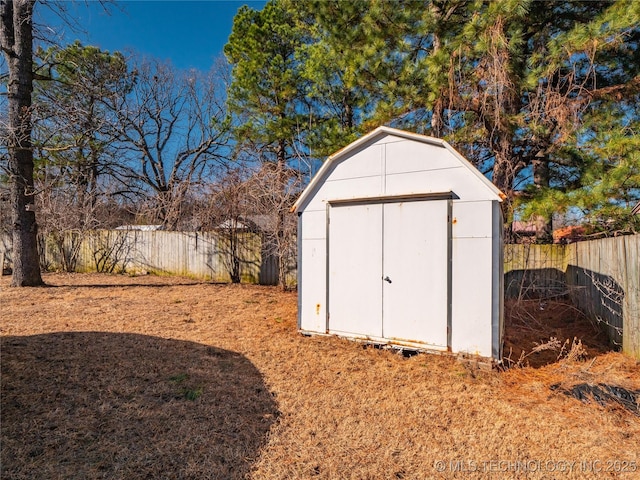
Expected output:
{"points": [[416, 197], [400, 243]]}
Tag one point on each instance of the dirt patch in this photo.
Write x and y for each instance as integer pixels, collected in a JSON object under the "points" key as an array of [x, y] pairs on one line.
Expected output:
{"points": [[159, 377], [540, 332]]}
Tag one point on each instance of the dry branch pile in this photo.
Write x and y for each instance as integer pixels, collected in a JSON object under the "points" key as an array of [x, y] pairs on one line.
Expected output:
{"points": [[156, 377], [539, 332]]}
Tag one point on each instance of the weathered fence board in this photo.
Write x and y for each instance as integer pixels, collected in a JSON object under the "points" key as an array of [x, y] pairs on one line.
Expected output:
{"points": [[206, 255], [534, 270], [602, 277]]}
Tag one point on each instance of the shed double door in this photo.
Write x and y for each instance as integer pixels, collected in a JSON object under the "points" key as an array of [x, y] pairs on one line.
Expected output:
{"points": [[388, 271]]}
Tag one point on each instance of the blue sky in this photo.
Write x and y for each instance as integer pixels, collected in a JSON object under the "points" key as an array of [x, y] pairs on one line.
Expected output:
{"points": [[189, 33]]}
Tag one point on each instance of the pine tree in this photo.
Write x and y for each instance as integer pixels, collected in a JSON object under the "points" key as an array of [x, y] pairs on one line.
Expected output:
{"points": [[267, 90], [593, 165], [16, 41], [349, 54], [267, 98], [513, 84]]}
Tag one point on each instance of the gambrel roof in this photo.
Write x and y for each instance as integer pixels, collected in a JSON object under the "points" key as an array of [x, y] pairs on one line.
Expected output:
{"points": [[376, 135]]}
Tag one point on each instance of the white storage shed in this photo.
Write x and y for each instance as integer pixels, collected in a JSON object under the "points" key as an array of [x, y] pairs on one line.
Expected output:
{"points": [[400, 243]]}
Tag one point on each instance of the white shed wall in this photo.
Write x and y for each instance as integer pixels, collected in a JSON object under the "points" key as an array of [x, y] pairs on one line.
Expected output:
{"points": [[406, 171], [362, 164], [472, 219], [472, 274], [497, 298], [314, 226], [312, 307], [471, 296], [393, 166], [452, 179], [360, 176], [404, 156]]}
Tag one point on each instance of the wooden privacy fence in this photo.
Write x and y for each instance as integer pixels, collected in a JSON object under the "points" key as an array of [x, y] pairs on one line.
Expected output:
{"points": [[602, 278], [206, 255]]}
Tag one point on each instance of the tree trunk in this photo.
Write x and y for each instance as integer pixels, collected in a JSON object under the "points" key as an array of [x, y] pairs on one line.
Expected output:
{"points": [[437, 121], [437, 112], [282, 212], [17, 44], [348, 111], [544, 226], [504, 173]]}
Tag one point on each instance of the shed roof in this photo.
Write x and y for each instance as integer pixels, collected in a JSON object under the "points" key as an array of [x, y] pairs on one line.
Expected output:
{"points": [[372, 137]]}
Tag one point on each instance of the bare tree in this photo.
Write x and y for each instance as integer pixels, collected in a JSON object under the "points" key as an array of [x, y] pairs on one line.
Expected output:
{"points": [[16, 41], [251, 202], [272, 190], [172, 127], [227, 211]]}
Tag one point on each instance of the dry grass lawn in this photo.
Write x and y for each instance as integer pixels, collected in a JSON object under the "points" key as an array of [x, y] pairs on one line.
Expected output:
{"points": [[157, 377]]}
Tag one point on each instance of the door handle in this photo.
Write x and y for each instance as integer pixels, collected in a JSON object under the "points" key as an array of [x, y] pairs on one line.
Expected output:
{"points": [[387, 279]]}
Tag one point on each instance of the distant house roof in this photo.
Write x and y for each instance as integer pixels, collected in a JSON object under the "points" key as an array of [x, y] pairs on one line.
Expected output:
{"points": [[524, 228], [143, 228], [254, 223], [568, 234], [235, 224]]}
